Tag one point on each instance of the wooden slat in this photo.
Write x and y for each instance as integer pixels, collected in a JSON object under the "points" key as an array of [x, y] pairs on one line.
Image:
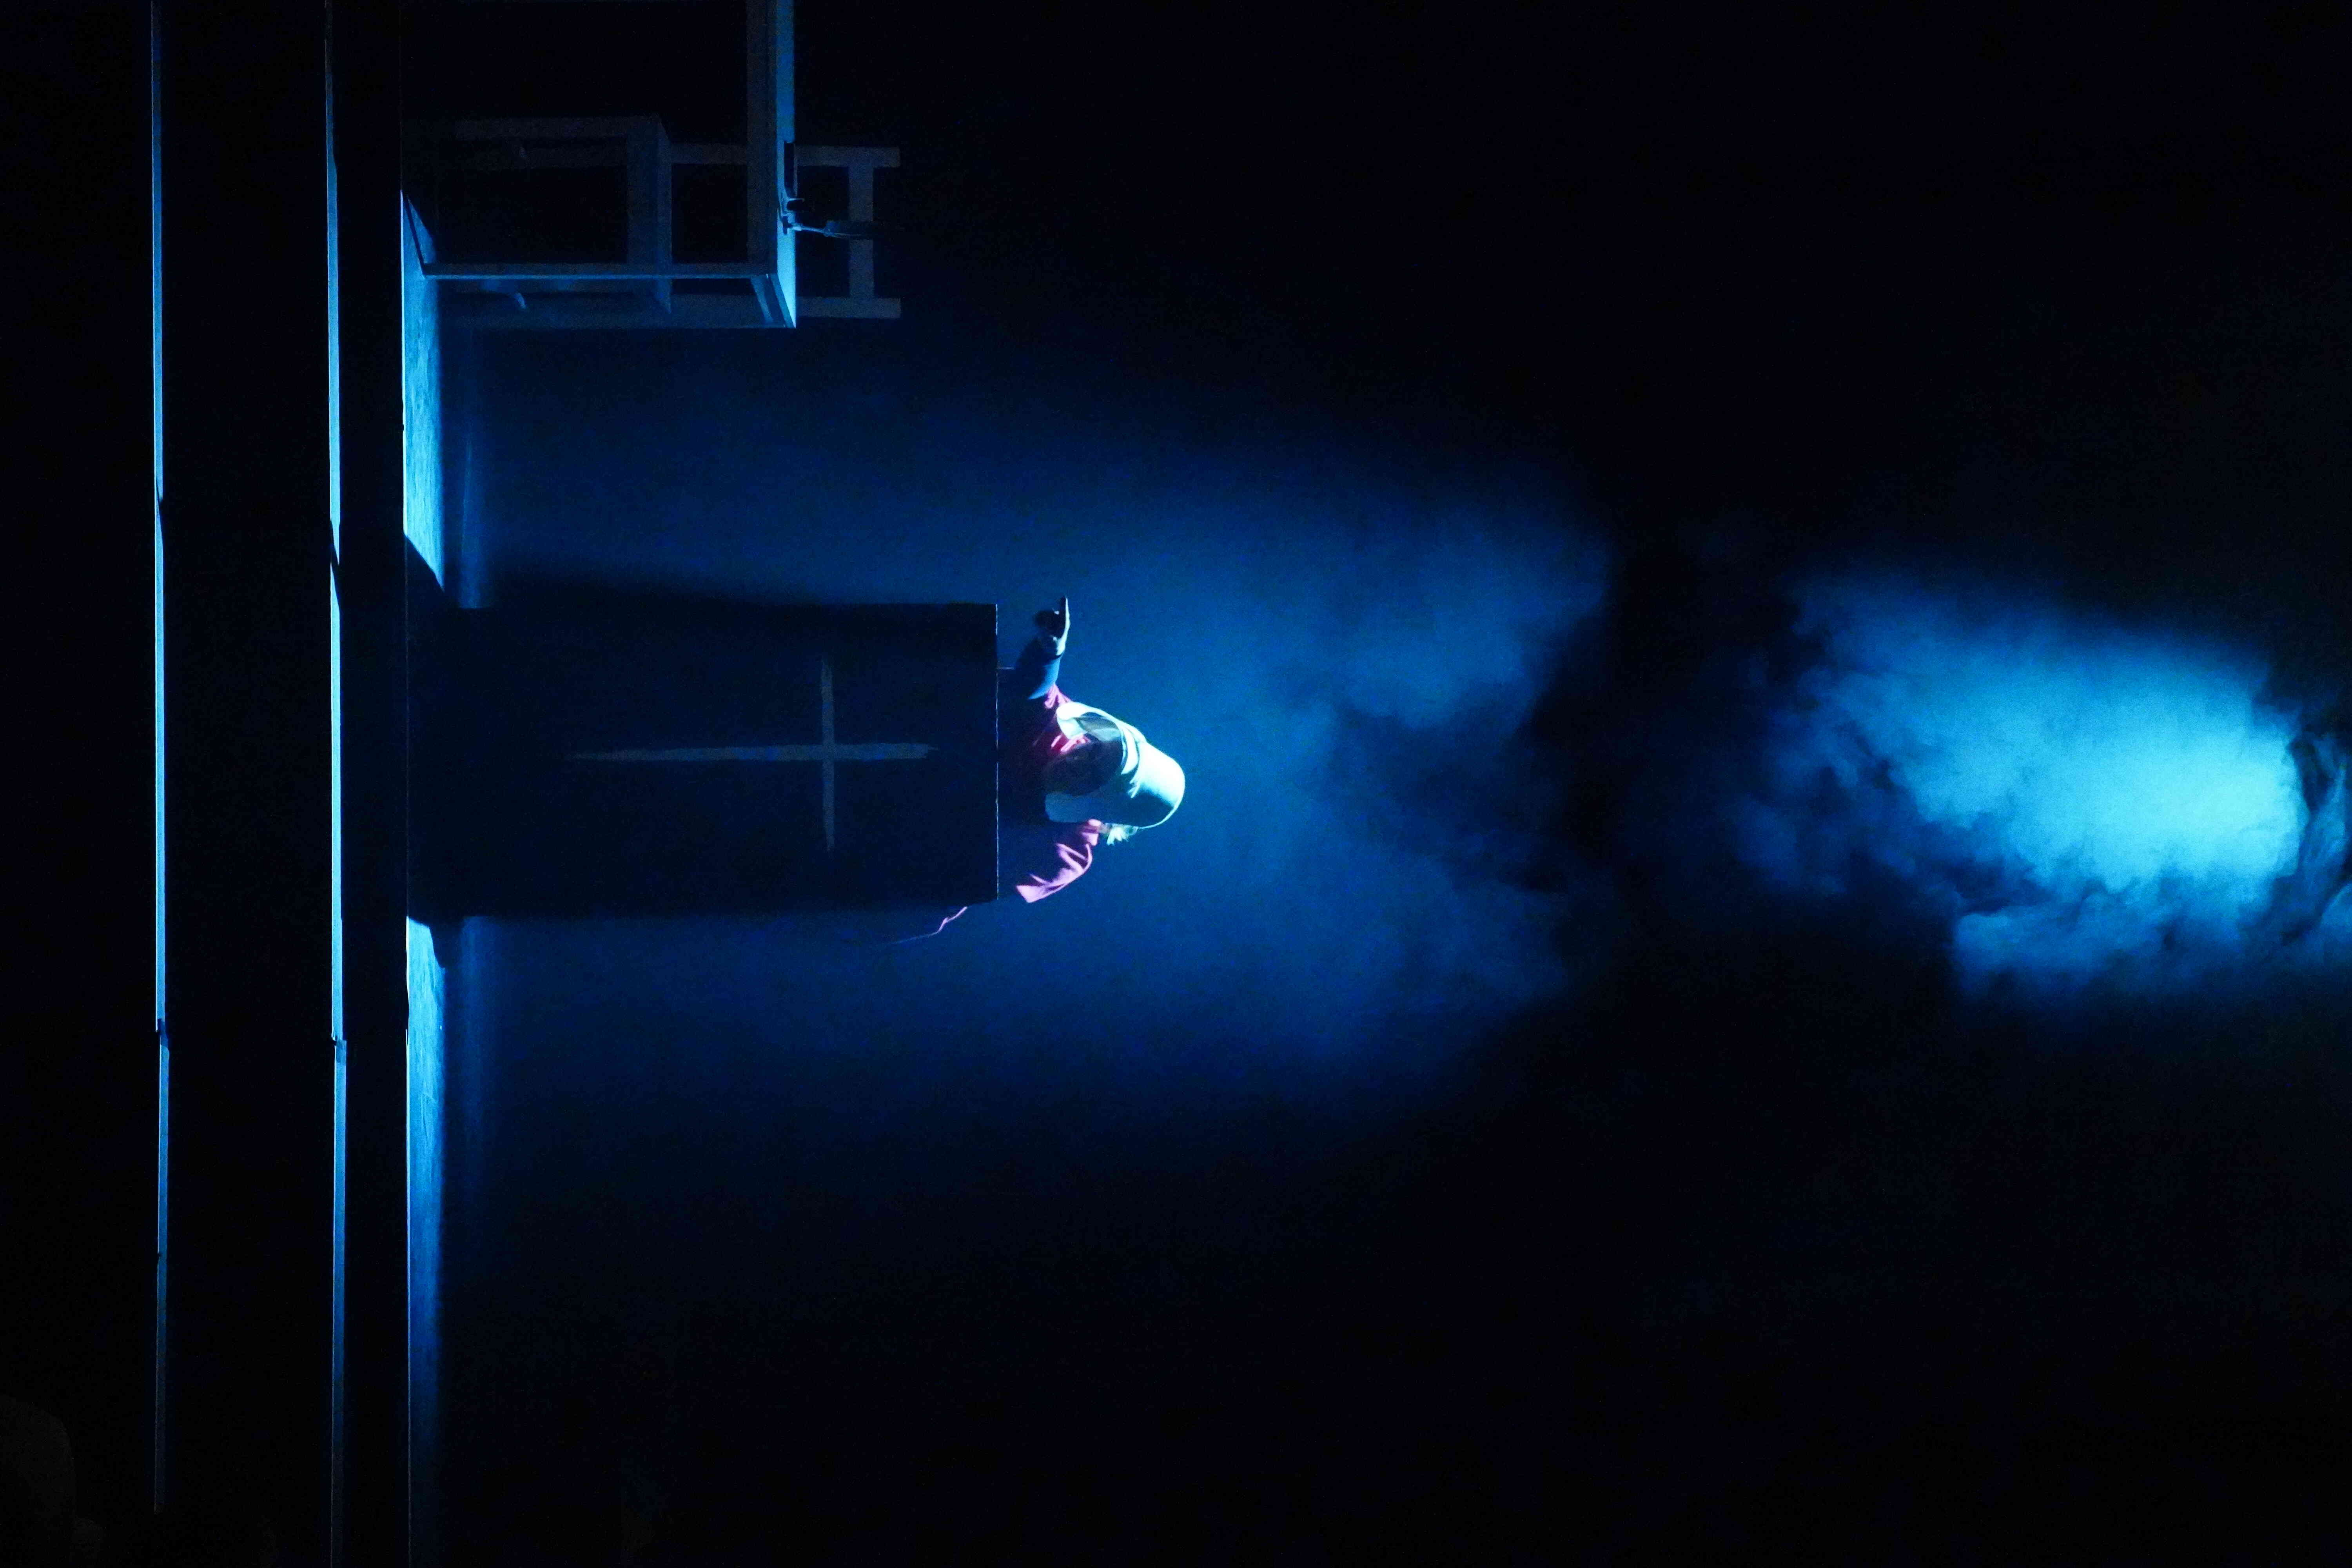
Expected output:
{"points": [[587, 272], [570, 129]]}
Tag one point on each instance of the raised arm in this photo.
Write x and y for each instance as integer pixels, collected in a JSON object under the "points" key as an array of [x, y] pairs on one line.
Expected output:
{"points": [[1040, 664]]}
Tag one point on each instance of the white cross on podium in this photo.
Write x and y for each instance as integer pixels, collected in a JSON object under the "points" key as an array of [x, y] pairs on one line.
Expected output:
{"points": [[827, 751]]}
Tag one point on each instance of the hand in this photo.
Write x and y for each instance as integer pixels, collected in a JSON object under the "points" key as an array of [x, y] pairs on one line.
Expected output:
{"points": [[1054, 624]]}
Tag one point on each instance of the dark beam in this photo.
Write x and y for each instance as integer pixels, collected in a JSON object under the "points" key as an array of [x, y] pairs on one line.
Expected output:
{"points": [[374, 1513], [250, 719], [78, 1069]]}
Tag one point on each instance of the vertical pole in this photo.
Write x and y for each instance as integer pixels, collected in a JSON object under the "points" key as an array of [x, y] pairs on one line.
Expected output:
{"points": [[646, 176], [825, 705], [250, 709], [766, 53], [375, 1445], [159, 1362], [861, 210], [77, 1126]]}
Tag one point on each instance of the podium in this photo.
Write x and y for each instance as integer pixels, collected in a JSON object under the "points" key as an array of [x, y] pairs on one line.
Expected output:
{"points": [[656, 755]]}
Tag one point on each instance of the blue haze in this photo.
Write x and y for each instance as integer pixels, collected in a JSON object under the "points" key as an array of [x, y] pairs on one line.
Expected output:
{"points": [[2098, 808], [1342, 645]]}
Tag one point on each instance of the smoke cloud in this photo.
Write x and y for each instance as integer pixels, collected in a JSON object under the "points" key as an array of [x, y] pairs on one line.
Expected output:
{"points": [[2097, 809]]}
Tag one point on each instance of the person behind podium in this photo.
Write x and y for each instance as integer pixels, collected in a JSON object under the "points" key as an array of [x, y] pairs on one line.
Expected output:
{"points": [[1070, 777]]}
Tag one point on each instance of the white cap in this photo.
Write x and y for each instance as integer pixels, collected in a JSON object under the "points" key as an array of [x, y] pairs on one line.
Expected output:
{"points": [[1145, 789]]}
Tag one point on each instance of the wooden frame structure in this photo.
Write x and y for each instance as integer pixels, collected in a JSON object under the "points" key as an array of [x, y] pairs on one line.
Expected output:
{"points": [[647, 286], [640, 290]]}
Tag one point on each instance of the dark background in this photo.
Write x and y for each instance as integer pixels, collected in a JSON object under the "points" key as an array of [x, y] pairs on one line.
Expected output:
{"points": [[1760, 1235]]}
